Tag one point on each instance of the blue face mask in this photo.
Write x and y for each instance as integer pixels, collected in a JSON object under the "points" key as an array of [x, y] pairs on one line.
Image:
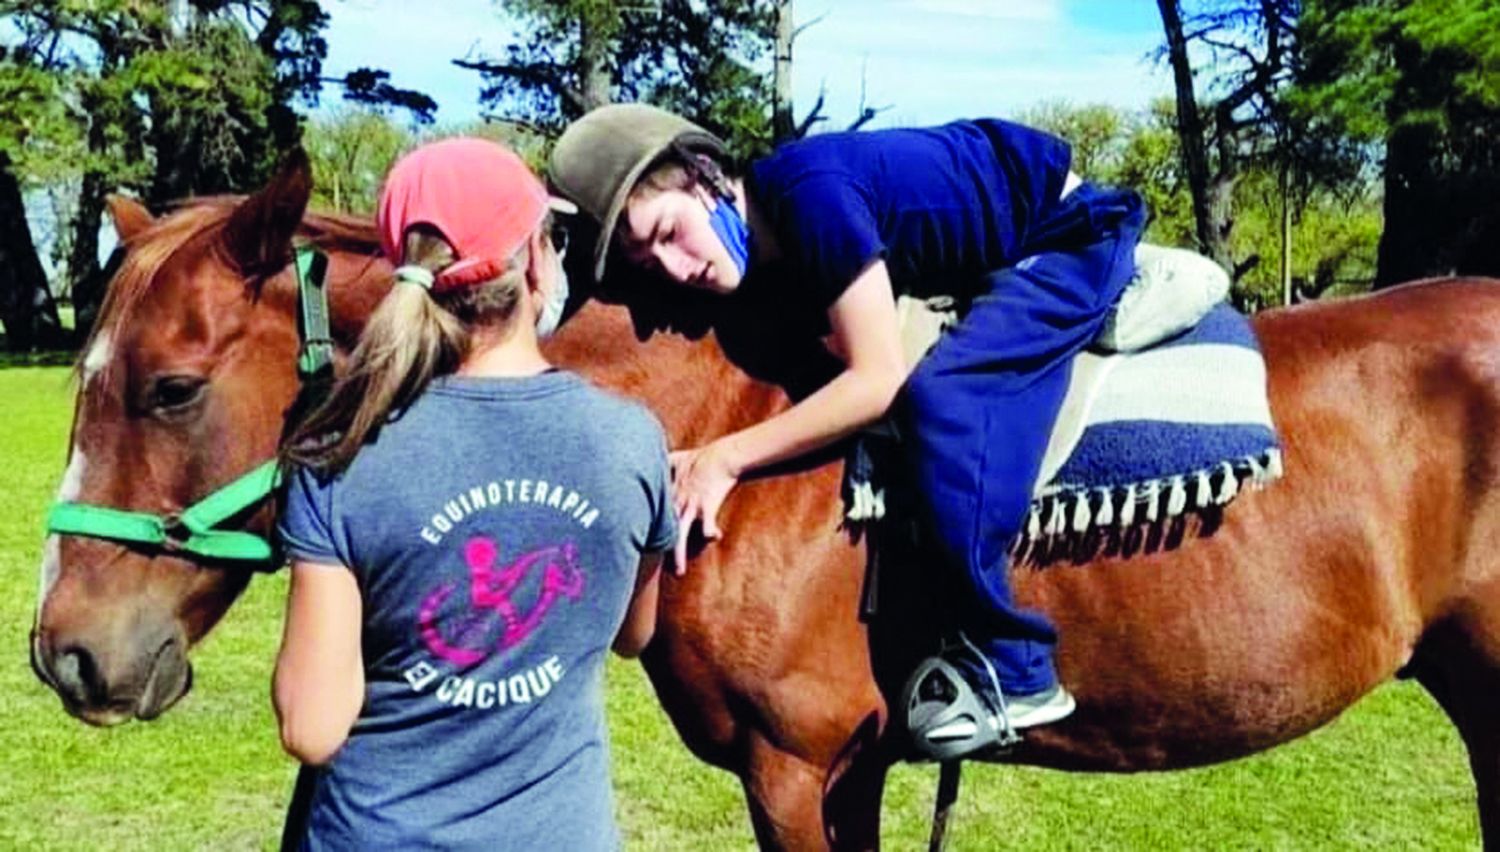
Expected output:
{"points": [[732, 231]]}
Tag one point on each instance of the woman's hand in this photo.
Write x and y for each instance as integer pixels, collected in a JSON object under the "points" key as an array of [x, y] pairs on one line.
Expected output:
{"points": [[701, 479]]}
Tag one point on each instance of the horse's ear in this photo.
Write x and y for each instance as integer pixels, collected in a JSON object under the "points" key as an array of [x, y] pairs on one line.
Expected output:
{"points": [[130, 216], [259, 233]]}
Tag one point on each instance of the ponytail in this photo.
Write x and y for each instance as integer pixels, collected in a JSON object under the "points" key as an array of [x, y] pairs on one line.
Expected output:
{"points": [[413, 336]]}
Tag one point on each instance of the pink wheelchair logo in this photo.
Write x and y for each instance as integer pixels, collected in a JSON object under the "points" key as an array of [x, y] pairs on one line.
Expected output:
{"points": [[493, 621]]}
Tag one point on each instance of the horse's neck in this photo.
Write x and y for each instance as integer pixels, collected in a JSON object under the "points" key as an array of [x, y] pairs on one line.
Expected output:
{"points": [[356, 286], [689, 384]]}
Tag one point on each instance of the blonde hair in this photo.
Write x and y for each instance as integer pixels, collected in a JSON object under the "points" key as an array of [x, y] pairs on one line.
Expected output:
{"points": [[413, 336]]}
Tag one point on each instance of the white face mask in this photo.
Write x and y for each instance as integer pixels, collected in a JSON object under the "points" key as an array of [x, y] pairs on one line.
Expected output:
{"points": [[551, 314]]}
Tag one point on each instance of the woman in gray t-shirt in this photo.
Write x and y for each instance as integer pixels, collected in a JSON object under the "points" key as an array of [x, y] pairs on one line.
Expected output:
{"points": [[469, 529]]}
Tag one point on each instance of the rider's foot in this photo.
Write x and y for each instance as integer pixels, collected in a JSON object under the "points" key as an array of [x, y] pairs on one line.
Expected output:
{"points": [[1041, 708], [949, 717]]}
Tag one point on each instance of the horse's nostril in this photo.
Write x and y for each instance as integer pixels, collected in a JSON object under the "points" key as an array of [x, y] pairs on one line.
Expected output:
{"points": [[77, 676]]}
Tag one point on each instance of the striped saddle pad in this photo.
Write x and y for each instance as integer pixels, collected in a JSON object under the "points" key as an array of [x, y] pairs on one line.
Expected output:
{"points": [[1142, 436]]}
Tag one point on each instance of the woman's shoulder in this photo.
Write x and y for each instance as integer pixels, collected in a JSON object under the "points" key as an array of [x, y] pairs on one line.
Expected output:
{"points": [[614, 413]]}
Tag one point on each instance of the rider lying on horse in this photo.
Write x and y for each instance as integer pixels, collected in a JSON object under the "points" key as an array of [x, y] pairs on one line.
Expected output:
{"points": [[840, 225]]}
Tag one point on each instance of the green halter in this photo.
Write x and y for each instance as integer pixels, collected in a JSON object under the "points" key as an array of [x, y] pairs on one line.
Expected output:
{"points": [[193, 530]]}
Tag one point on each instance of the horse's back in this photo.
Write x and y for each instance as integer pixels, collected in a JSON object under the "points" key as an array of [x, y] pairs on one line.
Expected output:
{"points": [[1209, 641]]}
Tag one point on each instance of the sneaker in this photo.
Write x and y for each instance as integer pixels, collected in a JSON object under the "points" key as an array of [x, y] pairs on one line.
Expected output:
{"points": [[1040, 708], [948, 718]]}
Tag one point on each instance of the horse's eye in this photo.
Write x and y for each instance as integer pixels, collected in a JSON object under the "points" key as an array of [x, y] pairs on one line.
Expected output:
{"points": [[175, 394]]}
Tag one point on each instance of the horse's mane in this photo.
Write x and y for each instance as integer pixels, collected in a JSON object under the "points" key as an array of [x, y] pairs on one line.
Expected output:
{"points": [[148, 250]]}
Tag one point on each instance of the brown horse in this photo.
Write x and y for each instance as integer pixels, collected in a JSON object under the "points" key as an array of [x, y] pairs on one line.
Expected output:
{"points": [[1375, 556]]}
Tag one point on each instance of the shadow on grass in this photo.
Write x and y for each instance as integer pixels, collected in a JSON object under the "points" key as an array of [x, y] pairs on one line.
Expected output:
{"points": [[47, 358]]}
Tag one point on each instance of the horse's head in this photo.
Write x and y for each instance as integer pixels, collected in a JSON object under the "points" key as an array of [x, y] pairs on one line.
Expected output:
{"points": [[182, 389]]}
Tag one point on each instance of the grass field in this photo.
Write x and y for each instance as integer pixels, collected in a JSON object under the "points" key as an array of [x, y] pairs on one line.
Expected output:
{"points": [[1390, 774]]}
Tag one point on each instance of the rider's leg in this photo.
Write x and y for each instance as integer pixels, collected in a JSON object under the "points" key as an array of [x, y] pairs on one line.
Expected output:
{"points": [[980, 411]]}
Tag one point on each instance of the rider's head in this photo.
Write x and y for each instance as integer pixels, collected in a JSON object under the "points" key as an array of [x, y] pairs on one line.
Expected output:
{"points": [[469, 229], [655, 183]]}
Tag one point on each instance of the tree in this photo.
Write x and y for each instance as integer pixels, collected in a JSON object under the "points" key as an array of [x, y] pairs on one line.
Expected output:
{"points": [[1250, 44], [1416, 78], [169, 100], [1097, 133], [696, 59], [1333, 232], [350, 153]]}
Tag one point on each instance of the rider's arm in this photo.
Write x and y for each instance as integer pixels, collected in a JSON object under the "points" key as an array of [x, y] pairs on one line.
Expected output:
{"points": [[319, 685], [640, 618], [866, 336]]}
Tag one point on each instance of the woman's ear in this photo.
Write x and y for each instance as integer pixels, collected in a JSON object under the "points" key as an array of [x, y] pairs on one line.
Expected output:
{"points": [[536, 265]]}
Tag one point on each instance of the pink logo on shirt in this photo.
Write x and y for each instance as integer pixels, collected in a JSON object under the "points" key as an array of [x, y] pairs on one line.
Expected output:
{"points": [[493, 621]]}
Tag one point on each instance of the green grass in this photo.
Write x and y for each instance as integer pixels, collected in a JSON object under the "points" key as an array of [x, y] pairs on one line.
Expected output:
{"points": [[1390, 773]]}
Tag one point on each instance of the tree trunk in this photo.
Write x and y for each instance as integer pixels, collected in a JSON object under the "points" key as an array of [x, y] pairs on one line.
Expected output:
{"points": [[83, 273], [1440, 185], [783, 125], [26, 304], [1190, 133], [593, 66], [84, 280]]}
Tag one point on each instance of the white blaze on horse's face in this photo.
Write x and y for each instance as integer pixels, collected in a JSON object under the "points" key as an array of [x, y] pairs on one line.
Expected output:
{"points": [[99, 355], [72, 486]]}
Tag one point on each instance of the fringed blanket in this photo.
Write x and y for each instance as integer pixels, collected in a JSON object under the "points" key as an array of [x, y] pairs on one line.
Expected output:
{"points": [[1141, 436], [1147, 435]]}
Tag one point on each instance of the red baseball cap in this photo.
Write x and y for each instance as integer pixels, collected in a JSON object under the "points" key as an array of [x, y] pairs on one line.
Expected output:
{"points": [[479, 194]]}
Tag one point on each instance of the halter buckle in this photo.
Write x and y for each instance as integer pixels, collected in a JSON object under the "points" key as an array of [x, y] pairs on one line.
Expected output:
{"points": [[175, 533]]}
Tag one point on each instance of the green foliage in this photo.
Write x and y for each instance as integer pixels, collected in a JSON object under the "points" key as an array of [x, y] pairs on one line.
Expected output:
{"points": [[1099, 133], [1118, 147], [209, 94], [1417, 83], [38, 129], [1372, 64], [1334, 241], [350, 150], [1334, 234], [701, 60]]}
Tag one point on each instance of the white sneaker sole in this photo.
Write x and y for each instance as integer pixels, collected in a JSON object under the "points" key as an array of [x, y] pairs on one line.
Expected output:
{"points": [[1059, 708]]}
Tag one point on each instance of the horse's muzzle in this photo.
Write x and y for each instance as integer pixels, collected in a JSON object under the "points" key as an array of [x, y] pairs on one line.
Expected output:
{"points": [[108, 686]]}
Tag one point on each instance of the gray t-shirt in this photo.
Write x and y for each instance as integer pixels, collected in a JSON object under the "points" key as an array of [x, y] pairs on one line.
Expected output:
{"points": [[495, 529]]}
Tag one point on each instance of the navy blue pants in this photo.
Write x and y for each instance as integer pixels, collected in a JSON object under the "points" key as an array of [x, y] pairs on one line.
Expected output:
{"points": [[980, 409]]}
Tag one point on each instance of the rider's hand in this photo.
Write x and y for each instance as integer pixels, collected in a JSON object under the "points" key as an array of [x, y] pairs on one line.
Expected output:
{"points": [[701, 479]]}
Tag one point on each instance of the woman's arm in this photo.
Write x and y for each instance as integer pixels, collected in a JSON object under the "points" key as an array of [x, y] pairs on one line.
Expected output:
{"points": [[319, 685], [865, 333], [640, 618]]}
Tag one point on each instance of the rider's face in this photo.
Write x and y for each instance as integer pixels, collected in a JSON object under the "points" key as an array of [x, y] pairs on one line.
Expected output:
{"points": [[668, 232]]}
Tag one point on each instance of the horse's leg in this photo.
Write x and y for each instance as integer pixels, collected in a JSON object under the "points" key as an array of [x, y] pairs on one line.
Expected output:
{"points": [[851, 799], [1459, 663], [818, 802], [785, 794]]}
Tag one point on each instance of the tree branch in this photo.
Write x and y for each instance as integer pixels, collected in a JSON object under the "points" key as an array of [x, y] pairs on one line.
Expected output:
{"points": [[814, 116], [796, 31], [539, 75]]}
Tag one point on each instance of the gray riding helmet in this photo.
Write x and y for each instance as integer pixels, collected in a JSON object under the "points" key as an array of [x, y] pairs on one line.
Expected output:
{"points": [[599, 158]]}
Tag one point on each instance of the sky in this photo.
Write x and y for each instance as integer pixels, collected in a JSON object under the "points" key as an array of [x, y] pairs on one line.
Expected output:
{"points": [[929, 61]]}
